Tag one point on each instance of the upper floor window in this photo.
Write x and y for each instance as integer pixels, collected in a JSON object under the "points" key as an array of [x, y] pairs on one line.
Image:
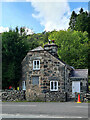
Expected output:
{"points": [[36, 64], [53, 85]]}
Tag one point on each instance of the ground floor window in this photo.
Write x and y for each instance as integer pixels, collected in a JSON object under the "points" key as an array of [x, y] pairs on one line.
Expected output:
{"points": [[23, 85], [35, 80], [53, 85]]}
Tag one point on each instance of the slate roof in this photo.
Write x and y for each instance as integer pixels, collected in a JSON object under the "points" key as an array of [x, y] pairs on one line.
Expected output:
{"points": [[37, 49], [83, 73]]}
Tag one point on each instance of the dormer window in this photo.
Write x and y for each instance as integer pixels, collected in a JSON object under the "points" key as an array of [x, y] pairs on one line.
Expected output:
{"points": [[36, 64]]}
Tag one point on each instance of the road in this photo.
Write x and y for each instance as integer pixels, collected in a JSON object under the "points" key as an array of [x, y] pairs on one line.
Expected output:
{"points": [[44, 110]]}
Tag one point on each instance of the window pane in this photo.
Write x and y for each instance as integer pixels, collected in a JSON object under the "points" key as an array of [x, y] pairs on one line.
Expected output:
{"points": [[37, 64], [35, 80], [34, 64], [52, 85], [55, 83]]}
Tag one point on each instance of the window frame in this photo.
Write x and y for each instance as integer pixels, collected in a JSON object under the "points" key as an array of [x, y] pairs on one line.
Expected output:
{"points": [[36, 65], [23, 85], [53, 86]]}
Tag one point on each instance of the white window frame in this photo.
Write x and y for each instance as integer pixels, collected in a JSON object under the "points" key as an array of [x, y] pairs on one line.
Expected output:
{"points": [[36, 65], [53, 86], [23, 85]]}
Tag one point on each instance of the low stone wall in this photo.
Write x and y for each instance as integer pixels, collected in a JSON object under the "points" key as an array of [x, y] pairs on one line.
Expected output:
{"points": [[36, 97], [48, 97], [56, 96], [13, 95]]}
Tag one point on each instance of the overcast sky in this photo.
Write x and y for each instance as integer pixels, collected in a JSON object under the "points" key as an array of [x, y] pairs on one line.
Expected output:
{"points": [[38, 16]]}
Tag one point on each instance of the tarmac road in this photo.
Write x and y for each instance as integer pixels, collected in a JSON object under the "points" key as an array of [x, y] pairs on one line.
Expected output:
{"points": [[49, 110]]}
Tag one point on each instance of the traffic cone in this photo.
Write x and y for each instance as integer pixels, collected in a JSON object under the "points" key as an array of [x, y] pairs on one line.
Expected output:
{"points": [[78, 99]]}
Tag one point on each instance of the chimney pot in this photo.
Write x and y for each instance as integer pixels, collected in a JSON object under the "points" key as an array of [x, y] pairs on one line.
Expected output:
{"points": [[51, 48]]}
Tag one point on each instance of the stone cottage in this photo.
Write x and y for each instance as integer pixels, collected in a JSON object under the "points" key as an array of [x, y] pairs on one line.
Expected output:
{"points": [[46, 77]]}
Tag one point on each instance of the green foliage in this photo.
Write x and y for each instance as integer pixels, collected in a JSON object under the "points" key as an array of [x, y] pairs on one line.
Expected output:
{"points": [[72, 20], [72, 47], [38, 39], [15, 46], [14, 49], [80, 22]]}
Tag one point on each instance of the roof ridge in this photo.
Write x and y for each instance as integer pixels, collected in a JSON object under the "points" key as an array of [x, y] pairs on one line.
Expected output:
{"points": [[37, 48]]}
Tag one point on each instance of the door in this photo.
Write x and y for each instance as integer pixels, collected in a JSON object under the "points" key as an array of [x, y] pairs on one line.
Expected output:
{"points": [[75, 87]]}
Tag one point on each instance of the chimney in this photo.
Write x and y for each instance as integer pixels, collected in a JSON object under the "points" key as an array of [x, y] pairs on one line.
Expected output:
{"points": [[51, 48]]}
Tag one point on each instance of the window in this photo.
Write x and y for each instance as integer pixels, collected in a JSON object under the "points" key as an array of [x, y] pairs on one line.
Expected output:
{"points": [[23, 85], [36, 64], [53, 85], [35, 80]]}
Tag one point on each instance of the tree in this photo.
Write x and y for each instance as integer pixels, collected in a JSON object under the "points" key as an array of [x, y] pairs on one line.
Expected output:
{"points": [[72, 20], [72, 47], [14, 49], [81, 10], [38, 39], [80, 22], [15, 45]]}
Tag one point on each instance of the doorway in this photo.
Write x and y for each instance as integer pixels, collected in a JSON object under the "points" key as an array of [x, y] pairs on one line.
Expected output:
{"points": [[75, 87]]}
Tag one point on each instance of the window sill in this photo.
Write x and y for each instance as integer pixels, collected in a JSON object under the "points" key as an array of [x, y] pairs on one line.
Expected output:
{"points": [[53, 90], [36, 69]]}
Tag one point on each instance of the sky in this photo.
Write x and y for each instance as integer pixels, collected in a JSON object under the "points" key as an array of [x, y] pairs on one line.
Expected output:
{"points": [[38, 16]]}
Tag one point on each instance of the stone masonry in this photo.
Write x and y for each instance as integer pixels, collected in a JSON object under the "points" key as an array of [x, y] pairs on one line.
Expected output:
{"points": [[12, 95], [50, 69]]}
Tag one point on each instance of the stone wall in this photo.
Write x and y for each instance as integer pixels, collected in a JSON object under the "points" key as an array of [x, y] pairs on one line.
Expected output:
{"points": [[51, 69], [13, 95], [83, 84], [48, 97], [55, 96]]}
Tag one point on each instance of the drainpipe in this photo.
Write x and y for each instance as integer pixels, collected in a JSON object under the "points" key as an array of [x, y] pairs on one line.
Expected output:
{"points": [[65, 79], [66, 93]]}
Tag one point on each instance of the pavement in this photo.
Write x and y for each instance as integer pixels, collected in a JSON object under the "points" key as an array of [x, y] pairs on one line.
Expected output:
{"points": [[42, 110]]}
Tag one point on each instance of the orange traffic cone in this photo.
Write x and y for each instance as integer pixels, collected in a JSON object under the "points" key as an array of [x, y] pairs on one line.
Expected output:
{"points": [[78, 99]]}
